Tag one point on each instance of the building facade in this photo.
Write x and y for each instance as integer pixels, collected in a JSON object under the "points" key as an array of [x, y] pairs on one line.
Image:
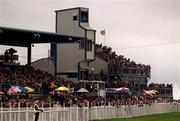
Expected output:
{"points": [[72, 60]]}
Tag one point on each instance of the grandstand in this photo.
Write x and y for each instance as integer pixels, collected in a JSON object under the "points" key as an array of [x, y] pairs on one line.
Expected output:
{"points": [[119, 71], [75, 57], [164, 90]]}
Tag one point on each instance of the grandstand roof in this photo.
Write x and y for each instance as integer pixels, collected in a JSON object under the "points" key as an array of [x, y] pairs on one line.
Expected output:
{"points": [[24, 38]]}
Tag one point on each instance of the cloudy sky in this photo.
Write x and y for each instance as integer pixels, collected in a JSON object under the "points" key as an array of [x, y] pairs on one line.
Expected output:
{"points": [[146, 31]]}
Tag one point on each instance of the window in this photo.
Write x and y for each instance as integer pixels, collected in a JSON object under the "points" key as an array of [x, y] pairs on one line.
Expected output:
{"points": [[72, 75], [74, 17], [89, 45], [84, 16], [82, 44], [84, 75]]}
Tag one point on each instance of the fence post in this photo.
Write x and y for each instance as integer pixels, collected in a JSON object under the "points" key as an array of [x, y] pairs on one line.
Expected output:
{"points": [[57, 116], [57, 109], [77, 109], [84, 111], [10, 109], [50, 112], [64, 113], [42, 114], [87, 112], [70, 116], [1, 111], [27, 112], [18, 111], [98, 107]]}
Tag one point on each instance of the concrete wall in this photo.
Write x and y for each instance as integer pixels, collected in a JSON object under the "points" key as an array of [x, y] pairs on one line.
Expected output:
{"points": [[99, 65], [44, 64], [68, 57], [66, 25], [67, 78]]}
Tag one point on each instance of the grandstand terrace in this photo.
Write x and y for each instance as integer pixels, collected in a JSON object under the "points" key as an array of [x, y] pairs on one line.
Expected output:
{"points": [[75, 56], [164, 90], [120, 71]]}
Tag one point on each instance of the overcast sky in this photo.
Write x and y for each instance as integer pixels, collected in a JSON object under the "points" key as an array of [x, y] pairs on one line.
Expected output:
{"points": [[146, 31]]}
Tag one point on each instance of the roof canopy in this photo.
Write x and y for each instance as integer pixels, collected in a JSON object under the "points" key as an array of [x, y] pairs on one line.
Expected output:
{"points": [[24, 38]]}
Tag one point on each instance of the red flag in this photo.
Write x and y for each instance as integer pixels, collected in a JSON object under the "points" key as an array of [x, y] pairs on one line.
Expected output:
{"points": [[103, 32]]}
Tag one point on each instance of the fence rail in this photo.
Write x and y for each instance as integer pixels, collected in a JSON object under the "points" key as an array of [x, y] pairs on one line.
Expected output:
{"points": [[85, 113]]}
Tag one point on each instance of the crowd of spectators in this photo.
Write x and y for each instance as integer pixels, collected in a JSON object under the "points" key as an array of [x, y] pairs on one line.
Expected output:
{"points": [[26, 102], [43, 82], [118, 64], [165, 90], [81, 101], [26, 76], [159, 85]]}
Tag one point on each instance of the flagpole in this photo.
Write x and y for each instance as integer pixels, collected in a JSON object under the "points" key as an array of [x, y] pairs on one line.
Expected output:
{"points": [[103, 33], [105, 40]]}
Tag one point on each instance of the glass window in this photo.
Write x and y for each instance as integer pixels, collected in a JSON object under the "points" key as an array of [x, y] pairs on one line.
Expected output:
{"points": [[84, 16], [89, 45], [82, 44], [75, 18]]}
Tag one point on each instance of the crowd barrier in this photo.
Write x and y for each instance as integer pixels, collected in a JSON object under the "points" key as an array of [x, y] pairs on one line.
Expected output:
{"points": [[58, 113]]}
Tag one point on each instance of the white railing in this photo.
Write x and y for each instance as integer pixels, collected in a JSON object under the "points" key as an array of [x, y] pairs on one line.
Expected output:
{"points": [[58, 113]]}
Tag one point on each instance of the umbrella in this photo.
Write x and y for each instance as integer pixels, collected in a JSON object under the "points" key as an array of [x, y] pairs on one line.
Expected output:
{"points": [[150, 92], [154, 91], [52, 92], [1, 93], [16, 89], [62, 89], [82, 90], [23, 89], [122, 89], [29, 89], [19, 88], [11, 91]]}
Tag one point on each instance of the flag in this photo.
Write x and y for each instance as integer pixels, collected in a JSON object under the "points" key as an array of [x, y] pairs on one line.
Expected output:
{"points": [[103, 32]]}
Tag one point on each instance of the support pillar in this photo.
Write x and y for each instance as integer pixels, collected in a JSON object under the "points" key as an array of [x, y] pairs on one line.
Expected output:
{"points": [[29, 55]]}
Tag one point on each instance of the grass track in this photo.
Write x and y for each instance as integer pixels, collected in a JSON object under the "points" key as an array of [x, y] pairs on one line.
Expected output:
{"points": [[157, 117]]}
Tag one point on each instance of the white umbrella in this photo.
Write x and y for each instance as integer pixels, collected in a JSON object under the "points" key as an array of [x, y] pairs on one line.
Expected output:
{"points": [[11, 91], [16, 88], [123, 89], [83, 90]]}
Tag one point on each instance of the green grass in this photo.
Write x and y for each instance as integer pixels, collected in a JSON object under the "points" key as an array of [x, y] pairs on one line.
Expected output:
{"points": [[157, 117]]}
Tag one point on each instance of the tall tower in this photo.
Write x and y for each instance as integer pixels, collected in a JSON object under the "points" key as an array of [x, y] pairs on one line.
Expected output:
{"points": [[72, 59]]}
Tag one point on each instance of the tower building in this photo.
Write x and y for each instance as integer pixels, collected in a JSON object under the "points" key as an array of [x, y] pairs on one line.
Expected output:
{"points": [[72, 60]]}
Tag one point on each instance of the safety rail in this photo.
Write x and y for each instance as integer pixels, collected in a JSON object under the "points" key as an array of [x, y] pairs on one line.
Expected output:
{"points": [[58, 113]]}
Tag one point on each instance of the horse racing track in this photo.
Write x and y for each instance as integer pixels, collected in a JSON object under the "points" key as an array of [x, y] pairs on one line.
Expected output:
{"points": [[175, 116]]}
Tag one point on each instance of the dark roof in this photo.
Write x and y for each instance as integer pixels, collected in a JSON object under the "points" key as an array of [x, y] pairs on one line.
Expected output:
{"points": [[22, 37], [71, 9]]}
